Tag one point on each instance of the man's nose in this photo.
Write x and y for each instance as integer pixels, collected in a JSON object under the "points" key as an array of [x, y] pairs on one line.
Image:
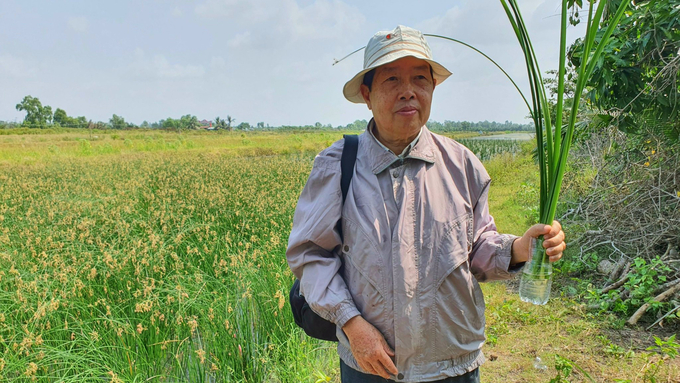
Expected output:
{"points": [[407, 91]]}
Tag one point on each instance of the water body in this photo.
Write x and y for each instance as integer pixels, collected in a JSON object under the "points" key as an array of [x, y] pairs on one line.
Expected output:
{"points": [[519, 136]]}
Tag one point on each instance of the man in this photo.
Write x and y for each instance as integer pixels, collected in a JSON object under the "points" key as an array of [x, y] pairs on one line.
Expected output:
{"points": [[416, 231]]}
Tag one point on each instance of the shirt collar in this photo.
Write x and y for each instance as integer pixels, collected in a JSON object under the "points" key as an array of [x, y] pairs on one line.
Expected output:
{"points": [[406, 150], [421, 148]]}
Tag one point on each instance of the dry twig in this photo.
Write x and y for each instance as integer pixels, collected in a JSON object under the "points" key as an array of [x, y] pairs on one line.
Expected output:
{"points": [[659, 298]]}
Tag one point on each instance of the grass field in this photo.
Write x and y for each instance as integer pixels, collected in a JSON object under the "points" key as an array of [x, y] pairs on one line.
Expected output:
{"points": [[151, 256]]}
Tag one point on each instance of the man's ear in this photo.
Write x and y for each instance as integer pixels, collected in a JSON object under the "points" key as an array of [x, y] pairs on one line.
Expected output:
{"points": [[365, 93]]}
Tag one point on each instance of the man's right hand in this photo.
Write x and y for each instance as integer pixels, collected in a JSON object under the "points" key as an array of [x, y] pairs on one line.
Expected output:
{"points": [[369, 348]]}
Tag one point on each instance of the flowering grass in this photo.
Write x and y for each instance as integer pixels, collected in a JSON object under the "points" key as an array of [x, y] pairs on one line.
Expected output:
{"points": [[147, 266]]}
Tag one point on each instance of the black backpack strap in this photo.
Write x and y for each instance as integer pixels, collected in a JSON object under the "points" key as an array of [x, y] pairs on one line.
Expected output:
{"points": [[349, 158], [314, 325], [347, 161]]}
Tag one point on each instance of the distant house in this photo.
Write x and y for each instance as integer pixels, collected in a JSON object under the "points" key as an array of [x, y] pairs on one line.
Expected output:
{"points": [[206, 124]]}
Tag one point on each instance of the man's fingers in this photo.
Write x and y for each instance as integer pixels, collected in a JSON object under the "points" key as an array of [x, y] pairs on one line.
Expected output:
{"points": [[555, 229], [370, 349], [367, 367], [558, 239], [538, 230], [379, 369], [556, 250], [388, 364], [387, 361], [387, 349]]}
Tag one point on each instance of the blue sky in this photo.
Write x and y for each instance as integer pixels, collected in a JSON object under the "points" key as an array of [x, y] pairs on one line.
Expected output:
{"points": [[256, 60]]}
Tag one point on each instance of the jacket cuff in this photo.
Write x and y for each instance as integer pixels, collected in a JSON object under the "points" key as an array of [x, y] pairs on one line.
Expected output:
{"points": [[505, 256], [345, 313]]}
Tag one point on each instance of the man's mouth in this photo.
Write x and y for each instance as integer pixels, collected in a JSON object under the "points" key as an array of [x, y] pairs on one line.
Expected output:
{"points": [[407, 111]]}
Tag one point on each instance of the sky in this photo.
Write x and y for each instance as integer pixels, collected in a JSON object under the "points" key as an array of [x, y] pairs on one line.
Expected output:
{"points": [[255, 60]]}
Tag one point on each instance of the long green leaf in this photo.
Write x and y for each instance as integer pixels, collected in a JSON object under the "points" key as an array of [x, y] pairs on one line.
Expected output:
{"points": [[536, 112], [542, 110], [560, 81], [538, 100], [580, 85]]}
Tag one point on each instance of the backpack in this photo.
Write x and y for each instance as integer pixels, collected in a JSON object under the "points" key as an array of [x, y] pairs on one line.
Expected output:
{"points": [[314, 325]]}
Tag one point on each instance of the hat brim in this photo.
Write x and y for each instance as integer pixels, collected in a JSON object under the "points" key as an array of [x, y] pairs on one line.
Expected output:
{"points": [[352, 89]]}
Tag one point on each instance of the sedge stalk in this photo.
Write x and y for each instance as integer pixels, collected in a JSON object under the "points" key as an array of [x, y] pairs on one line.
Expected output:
{"points": [[553, 139]]}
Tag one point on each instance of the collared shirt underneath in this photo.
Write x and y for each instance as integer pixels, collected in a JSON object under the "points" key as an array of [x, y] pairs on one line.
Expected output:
{"points": [[396, 167]]}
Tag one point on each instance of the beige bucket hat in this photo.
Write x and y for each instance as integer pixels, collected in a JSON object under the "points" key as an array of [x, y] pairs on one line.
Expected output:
{"points": [[387, 46]]}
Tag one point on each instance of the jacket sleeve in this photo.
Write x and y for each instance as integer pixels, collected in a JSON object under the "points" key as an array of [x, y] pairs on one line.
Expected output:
{"points": [[491, 251], [314, 239]]}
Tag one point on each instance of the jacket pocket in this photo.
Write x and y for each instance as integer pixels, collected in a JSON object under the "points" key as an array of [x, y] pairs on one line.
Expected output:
{"points": [[364, 273], [457, 318], [452, 243]]}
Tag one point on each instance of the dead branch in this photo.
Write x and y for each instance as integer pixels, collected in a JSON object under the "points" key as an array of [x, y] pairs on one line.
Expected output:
{"points": [[659, 298], [663, 317], [667, 286], [617, 269], [616, 285]]}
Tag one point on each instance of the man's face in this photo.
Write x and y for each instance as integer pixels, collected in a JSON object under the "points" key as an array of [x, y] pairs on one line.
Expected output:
{"points": [[401, 96]]}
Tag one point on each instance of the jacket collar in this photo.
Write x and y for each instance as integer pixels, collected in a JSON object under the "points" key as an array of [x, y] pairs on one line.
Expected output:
{"points": [[380, 158]]}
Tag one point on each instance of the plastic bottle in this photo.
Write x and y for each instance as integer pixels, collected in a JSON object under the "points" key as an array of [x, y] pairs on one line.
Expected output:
{"points": [[539, 365], [536, 280]]}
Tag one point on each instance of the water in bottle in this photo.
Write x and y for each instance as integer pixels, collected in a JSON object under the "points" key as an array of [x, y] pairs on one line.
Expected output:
{"points": [[536, 280]]}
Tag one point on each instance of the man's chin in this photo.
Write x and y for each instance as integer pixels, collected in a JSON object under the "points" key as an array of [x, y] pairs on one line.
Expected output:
{"points": [[410, 126]]}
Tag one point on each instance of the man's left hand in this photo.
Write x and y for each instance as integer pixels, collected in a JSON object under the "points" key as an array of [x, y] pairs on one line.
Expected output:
{"points": [[553, 242]]}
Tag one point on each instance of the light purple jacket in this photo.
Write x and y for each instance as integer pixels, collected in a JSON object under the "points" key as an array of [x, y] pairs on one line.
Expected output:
{"points": [[412, 255]]}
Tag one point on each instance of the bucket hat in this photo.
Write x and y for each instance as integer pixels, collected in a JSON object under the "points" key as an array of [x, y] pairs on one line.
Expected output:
{"points": [[388, 46]]}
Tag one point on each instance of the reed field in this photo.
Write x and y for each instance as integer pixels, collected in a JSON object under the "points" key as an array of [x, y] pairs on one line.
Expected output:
{"points": [[141, 256]]}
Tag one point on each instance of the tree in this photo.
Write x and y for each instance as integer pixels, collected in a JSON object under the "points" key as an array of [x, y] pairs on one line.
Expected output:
{"points": [[118, 122], [230, 120], [243, 126], [60, 117], [37, 115], [637, 80], [81, 122], [169, 123], [221, 124], [189, 122]]}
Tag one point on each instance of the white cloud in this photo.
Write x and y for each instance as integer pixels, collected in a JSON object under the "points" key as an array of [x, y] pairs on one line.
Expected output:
{"points": [[279, 22], [177, 12], [217, 63], [321, 19], [474, 22], [248, 12], [15, 67], [78, 23], [239, 40], [159, 67]]}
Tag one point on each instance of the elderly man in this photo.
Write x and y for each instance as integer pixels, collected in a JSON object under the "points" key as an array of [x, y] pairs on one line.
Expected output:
{"points": [[416, 231]]}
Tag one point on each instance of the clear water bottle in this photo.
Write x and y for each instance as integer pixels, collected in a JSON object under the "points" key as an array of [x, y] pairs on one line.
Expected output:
{"points": [[536, 280], [539, 365]]}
